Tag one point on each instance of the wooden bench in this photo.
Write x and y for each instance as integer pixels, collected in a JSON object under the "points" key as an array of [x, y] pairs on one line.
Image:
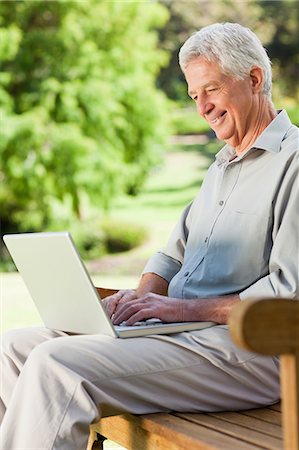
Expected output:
{"points": [[268, 327]]}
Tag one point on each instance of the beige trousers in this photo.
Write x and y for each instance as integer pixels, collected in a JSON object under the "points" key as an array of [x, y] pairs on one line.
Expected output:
{"points": [[54, 385]]}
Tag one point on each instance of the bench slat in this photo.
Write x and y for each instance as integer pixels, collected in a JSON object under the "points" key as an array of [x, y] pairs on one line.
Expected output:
{"points": [[235, 430], [251, 423], [265, 414]]}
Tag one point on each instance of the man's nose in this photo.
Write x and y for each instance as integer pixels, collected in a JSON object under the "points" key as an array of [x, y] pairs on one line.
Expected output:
{"points": [[202, 105]]}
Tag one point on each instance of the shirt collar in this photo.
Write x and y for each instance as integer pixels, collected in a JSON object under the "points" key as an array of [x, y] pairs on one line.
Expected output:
{"points": [[270, 139]]}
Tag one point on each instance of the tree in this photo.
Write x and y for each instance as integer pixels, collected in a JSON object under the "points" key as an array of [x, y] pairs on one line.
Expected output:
{"points": [[276, 22], [80, 114], [281, 19]]}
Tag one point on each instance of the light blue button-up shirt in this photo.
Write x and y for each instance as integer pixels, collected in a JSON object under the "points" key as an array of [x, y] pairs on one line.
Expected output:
{"points": [[241, 232]]}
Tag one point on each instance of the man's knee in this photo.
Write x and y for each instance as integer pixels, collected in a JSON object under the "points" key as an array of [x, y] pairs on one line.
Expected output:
{"points": [[12, 342], [45, 351], [18, 344]]}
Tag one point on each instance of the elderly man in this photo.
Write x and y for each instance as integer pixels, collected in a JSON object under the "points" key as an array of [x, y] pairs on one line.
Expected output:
{"points": [[237, 239]]}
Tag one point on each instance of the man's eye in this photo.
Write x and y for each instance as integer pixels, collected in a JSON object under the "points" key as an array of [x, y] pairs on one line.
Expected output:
{"points": [[212, 90]]}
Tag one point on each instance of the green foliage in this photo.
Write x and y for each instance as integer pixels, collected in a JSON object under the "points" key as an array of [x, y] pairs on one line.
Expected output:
{"points": [[293, 112], [80, 114], [281, 20]]}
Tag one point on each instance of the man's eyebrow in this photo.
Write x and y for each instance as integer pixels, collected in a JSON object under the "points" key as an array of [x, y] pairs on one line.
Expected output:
{"points": [[209, 83]]}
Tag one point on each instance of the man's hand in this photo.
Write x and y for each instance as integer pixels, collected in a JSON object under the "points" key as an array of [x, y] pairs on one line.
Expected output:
{"points": [[150, 300], [131, 310], [113, 301], [149, 284]]}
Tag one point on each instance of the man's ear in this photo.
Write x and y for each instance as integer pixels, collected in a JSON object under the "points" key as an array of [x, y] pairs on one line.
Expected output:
{"points": [[256, 79]]}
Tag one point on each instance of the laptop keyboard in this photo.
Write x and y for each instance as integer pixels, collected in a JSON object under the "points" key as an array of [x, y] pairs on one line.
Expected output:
{"points": [[144, 323]]}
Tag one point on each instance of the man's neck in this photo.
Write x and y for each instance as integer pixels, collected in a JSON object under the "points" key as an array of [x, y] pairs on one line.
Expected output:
{"points": [[264, 117]]}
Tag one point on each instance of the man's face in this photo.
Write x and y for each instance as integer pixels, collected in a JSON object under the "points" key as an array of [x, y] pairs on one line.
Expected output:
{"points": [[228, 105]]}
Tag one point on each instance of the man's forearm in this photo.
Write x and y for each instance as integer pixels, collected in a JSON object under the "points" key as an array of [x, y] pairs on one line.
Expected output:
{"points": [[209, 309], [203, 309], [151, 282]]}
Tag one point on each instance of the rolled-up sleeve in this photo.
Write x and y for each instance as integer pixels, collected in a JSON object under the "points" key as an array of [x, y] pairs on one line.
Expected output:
{"points": [[283, 277], [167, 262]]}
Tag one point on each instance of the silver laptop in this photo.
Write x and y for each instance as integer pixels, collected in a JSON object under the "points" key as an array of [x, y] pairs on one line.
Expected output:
{"points": [[63, 292]]}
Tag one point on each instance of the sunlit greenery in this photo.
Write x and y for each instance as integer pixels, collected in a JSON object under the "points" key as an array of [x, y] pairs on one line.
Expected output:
{"points": [[81, 117]]}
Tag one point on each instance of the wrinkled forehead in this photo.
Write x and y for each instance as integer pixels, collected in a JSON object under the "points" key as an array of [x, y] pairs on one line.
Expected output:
{"points": [[199, 71]]}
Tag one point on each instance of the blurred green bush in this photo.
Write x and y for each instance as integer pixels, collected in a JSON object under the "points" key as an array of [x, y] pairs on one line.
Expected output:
{"points": [[94, 239], [97, 238], [121, 237]]}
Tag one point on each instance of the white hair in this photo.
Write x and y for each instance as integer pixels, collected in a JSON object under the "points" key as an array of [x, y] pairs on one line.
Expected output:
{"points": [[236, 49]]}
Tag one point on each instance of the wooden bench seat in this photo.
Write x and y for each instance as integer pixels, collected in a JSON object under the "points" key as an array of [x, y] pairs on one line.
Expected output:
{"points": [[256, 429], [264, 326]]}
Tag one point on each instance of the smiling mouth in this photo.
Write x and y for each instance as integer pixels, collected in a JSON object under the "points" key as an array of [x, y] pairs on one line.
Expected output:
{"points": [[216, 120]]}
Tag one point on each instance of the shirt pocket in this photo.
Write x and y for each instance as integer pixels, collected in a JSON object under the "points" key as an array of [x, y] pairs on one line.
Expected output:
{"points": [[239, 247]]}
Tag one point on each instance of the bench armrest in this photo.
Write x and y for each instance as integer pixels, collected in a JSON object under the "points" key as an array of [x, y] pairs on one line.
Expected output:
{"points": [[267, 326], [271, 327]]}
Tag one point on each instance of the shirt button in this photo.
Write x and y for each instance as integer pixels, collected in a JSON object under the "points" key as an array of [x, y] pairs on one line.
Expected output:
{"points": [[186, 274], [206, 239], [221, 202]]}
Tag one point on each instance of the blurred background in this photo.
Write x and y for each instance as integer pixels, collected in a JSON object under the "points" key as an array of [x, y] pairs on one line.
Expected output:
{"points": [[97, 133]]}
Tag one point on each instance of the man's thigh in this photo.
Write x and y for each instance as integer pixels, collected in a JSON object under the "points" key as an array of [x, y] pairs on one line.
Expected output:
{"points": [[160, 373]]}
